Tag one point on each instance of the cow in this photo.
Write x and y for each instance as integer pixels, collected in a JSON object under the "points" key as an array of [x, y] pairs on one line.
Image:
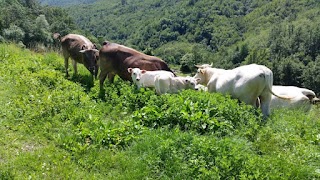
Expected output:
{"points": [[245, 83], [81, 50], [115, 59], [201, 87], [302, 98], [144, 78], [168, 84]]}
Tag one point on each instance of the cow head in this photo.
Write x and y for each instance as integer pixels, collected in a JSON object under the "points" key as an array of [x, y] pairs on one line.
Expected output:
{"points": [[90, 57], [315, 100], [201, 76], [191, 82], [136, 73]]}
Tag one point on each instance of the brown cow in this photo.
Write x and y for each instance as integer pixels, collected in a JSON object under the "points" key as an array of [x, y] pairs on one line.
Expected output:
{"points": [[116, 59], [81, 50]]}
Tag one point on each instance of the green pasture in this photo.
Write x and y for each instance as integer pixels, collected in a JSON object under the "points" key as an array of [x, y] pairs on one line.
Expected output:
{"points": [[53, 127]]}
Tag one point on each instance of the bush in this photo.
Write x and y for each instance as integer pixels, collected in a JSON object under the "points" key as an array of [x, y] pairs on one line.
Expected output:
{"points": [[202, 112]]}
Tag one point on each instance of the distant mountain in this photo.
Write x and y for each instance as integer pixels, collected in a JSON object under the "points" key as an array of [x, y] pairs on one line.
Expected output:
{"points": [[63, 3]]}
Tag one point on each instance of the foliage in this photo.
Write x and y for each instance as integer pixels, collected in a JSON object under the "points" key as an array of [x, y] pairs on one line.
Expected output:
{"points": [[52, 127], [227, 33], [32, 24]]}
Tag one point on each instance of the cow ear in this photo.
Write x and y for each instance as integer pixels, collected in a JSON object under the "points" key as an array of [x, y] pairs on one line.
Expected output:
{"points": [[143, 71], [130, 70], [198, 79]]}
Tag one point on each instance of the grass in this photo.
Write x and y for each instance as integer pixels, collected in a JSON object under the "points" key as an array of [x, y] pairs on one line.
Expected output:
{"points": [[54, 127]]}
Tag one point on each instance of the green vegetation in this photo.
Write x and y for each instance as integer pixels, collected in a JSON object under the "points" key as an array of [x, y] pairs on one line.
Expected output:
{"points": [[64, 3], [283, 35], [58, 128], [31, 25]]}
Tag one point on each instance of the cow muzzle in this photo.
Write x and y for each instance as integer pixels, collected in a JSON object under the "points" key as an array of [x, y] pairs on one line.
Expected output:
{"points": [[315, 100], [93, 71]]}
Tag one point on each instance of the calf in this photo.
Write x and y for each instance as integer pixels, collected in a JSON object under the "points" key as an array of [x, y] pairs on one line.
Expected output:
{"points": [[168, 84], [144, 78], [245, 83]]}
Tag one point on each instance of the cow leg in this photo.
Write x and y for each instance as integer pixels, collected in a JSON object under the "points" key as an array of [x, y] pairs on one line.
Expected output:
{"points": [[265, 100], [102, 78], [74, 63], [111, 77], [66, 64]]}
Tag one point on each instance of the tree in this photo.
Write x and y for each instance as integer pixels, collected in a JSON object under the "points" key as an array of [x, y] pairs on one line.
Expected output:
{"points": [[42, 32], [311, 76], [14, 33], [288, 72]]}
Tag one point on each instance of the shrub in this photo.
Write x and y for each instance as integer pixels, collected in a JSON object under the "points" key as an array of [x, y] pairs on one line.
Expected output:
{"points": [[203, 112]]}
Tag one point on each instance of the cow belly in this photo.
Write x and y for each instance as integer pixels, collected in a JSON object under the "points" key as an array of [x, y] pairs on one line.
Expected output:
{"points": [[147, 81], [299, 102], [162, 84]]}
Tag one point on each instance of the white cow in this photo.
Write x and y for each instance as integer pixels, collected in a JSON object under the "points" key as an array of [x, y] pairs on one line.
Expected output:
{"points": [[144, 78], [245, 83], [302, 98], [201, 87], [168, 84]]}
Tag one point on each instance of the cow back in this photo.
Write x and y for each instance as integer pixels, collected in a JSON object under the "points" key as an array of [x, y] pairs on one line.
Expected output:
{"points": [[116, 59]]}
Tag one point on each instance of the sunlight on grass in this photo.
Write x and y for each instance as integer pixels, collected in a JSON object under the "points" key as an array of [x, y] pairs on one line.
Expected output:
{"points": [[53, 127]]}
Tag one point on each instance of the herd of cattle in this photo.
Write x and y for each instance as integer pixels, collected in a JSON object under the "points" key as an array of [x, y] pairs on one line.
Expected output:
{"points": [[252, 84]]}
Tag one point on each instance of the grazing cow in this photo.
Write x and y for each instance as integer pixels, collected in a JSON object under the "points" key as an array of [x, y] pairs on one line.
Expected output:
{"points": [[245, 83], [302, 98], [81, 50], [116, 59], [144, 78], [168, 84]]}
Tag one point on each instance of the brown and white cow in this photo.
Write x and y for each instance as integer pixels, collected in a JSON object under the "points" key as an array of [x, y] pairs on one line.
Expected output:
{"points": [[81, 50], [115, 59], [246, 83]]}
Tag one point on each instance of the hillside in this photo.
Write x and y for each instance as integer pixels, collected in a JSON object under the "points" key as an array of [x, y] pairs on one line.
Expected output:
{"points": [[58, 128], [64, 3], [283, 35]]}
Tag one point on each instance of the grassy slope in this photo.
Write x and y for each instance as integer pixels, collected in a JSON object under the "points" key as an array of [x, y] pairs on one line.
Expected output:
{"points": [[57, 128]]}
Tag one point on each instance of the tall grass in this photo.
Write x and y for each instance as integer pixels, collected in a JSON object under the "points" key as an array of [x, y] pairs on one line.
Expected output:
{"points": [[58, 128]]}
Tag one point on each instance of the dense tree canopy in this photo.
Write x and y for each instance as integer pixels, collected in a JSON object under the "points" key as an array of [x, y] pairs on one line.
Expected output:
{"points": [[27, 22], [283, 35]]}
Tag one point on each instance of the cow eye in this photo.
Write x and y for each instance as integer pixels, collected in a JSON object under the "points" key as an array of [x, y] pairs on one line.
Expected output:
{"points": [[134, 73]]}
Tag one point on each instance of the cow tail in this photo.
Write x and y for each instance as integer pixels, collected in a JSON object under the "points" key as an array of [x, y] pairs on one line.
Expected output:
{"points": [[269, 82], [168, 69]]}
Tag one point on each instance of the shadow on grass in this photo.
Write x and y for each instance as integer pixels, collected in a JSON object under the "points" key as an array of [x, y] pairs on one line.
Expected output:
{"points": [[86, 81]]}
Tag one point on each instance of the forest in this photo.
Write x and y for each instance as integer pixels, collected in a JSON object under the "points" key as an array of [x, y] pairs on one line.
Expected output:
{"points": [[283, 35]]}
